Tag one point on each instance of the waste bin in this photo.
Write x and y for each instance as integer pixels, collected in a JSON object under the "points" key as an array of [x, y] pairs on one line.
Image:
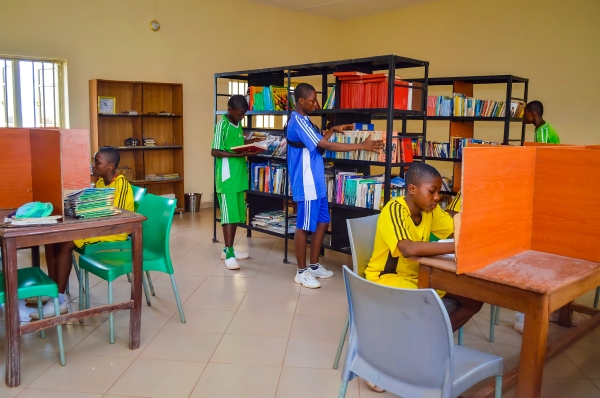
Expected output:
{"points": [[192, 202]]}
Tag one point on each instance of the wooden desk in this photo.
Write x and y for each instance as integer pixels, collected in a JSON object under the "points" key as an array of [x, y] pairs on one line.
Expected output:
{"points": [[13, 238], [532, 282]]}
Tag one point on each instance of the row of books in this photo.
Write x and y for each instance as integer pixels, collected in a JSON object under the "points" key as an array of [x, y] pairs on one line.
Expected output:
{"points": [[269, 177], [91, 203], [401, 147], [274, 221], [445, 150], [460, 105], [268, 98], [363, 91], [354, 189], [330, 102]]}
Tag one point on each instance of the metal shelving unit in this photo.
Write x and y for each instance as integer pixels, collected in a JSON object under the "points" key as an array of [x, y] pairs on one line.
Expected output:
{"points": [[282, 76]]}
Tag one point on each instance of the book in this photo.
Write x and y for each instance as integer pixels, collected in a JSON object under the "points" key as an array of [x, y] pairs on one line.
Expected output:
{"points": [[279, 96], [259, 146]]}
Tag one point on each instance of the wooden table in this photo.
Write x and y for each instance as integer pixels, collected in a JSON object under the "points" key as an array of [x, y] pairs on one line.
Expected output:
{"points": [[531, 282], [13, 238]]}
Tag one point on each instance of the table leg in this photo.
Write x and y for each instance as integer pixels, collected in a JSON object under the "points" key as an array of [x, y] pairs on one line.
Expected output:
{"points": [[424, 281], [565, 317], [35, 256], [135, 317], [13, 338], [533, 348]]}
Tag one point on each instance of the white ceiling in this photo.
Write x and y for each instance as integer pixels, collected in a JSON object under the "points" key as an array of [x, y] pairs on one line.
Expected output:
{"points": [[343, 9]]}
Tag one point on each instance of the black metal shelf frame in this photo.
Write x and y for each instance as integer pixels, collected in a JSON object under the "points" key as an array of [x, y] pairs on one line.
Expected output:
{"points": [[282, 75]]}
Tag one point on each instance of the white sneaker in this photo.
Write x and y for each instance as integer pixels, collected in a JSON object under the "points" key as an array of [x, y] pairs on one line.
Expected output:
{"points": [[320, 272], [238, 255], [230, 263], [48, 311], [307, 279], [518, 322], [33, 300]]}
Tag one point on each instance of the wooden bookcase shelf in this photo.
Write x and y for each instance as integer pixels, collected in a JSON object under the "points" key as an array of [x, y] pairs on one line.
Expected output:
{"points": [[167, 131], [337, 236]]}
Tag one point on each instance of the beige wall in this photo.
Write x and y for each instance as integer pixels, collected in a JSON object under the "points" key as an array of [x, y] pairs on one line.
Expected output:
{"points": [[111, 39], [553, 43]]}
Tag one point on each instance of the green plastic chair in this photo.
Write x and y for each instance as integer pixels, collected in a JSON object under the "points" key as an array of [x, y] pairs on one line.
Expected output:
{"points": [[34, 282], [109, 265], [138, 195]]}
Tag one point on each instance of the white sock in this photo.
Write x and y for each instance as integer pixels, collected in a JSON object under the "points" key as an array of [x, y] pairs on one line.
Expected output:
{"points": [[61, 298]]}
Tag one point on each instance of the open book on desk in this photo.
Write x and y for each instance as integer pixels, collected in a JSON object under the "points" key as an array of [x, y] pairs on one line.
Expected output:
{"points": [[450, 255]]}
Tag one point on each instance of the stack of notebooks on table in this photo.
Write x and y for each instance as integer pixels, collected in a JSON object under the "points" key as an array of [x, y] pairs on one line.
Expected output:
{"points": [[269, 177], [149, 142], [366, 91], [460, 105], [91, 203], [274, 221], [161, 177]]}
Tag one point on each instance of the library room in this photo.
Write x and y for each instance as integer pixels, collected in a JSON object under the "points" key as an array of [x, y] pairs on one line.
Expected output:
{"points": [[286, 199]]}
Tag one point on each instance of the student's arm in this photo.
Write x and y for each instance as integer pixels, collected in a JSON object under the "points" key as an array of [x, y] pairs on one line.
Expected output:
{"points": [[224, 154], [367, 145], [408, 248], [218, 145], [336, 129]]}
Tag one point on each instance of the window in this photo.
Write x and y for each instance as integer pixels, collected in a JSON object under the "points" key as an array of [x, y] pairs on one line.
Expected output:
{"points": [[31, 94], [239, 88]]}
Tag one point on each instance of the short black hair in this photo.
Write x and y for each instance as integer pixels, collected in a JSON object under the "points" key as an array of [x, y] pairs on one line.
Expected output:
{"points": [[111, 154], [303, 90], [420, 172], [535, 106], [238, 102]]}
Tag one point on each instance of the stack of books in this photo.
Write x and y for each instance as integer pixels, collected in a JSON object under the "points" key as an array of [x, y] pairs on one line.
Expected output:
{"points": [[149, 142], [274, 221], [91, 203], [276, 145]]}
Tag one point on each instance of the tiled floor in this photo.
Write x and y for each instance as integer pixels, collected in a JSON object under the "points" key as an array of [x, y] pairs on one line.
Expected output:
{"points": [[251, 333]]}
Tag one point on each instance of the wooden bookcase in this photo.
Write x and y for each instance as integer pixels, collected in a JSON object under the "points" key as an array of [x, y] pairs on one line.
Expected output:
{"points": [[167, 131], [320, 75], [464, 127]]}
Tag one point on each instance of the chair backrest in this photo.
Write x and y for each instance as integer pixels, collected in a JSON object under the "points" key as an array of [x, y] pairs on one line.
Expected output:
{"points": [[138, 195], [361, 232], [157, 228], [400, 339]]}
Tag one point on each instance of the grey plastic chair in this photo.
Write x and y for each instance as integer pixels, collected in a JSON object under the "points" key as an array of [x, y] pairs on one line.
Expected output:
{"points": [[401, 340], [361, 232]]}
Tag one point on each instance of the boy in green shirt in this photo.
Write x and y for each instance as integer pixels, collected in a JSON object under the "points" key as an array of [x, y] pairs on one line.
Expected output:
{"points": [[544, 132], [231, 175]]}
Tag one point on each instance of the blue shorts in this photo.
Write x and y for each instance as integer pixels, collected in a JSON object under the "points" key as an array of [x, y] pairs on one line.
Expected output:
{"points": [[312, 212]]}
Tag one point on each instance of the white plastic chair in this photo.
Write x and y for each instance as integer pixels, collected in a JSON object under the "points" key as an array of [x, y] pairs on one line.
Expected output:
{"points": [[401, 340]]}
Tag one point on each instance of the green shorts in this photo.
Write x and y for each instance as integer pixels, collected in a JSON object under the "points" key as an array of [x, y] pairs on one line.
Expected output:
{"points": [[233, 208]]}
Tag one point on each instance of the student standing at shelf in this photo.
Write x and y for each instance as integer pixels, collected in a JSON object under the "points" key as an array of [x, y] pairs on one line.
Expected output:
{"points": [[58, 255], [544, 132], [307, 177], [231, 175]]}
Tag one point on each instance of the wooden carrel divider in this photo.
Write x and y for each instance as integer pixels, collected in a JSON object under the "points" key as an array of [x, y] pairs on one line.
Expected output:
{"points": [[535, 197], [40, 164]]}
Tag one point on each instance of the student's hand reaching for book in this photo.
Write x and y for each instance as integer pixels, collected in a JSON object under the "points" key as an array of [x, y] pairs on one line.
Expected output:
{"points": [[341, 128], [370, 145]]}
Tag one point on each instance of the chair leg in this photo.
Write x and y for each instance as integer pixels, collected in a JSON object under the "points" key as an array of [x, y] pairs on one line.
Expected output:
{"points": [[177, 298], [41, 312], [492, 322], [111, 316], [67, 290], [338, 354], [150, 283], [145, 286], [343, 388], [497, 317], [498, 390], [61, 345], [596, 297], [75, 267], [461, 335], [129, 278], [81, 296], [86, 276]]}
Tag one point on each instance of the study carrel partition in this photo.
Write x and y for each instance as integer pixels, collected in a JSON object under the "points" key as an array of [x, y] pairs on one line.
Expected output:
{"points": [[40, 164], [539, 198]]}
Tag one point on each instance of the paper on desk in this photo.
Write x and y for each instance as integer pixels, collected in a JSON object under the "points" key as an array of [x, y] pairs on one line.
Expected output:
{"points": [[451, 255], [33, 221]]}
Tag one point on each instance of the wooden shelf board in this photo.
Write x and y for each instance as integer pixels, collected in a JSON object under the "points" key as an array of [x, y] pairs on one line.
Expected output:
{"points": [[147, 148], [148, 182]]}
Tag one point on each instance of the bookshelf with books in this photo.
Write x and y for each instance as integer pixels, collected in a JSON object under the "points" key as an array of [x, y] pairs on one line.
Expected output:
{"points": [[463, 110], [353, 189], [145, 123]]}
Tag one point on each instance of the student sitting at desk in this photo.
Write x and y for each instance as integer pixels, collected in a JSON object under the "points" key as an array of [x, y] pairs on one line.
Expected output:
{"points": [[58, 255]]}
